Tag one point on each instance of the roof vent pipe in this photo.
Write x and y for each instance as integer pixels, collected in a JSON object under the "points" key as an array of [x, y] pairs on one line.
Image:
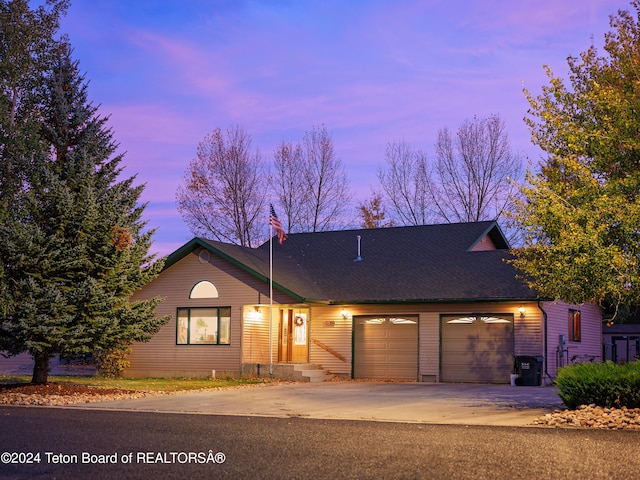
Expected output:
{"points": [[358, 258]]}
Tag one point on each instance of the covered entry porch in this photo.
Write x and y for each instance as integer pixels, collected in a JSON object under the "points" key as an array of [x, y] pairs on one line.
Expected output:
{"points": [[276, 343]]}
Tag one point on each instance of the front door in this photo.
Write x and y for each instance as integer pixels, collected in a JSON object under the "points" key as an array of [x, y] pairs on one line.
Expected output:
{"points": [[294, 334]]}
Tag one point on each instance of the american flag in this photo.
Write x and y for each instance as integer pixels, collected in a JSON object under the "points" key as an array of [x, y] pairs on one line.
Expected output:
{"points": [[277, 226]]}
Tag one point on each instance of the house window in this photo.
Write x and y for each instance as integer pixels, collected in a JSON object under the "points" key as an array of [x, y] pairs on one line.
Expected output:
{"points": [[203, 326], [574, 325]]}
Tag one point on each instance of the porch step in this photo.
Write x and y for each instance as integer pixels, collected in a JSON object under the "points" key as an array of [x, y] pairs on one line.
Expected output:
{"points": [[299, 372], [312, 373]]}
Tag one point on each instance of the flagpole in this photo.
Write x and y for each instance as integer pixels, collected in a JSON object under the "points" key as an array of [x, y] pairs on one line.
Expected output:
{"points": [[274, 223], [270, 296]]}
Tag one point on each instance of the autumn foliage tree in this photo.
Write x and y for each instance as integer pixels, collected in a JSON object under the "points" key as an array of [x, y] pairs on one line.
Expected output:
{"points": [[581, 208], [373, 212]]}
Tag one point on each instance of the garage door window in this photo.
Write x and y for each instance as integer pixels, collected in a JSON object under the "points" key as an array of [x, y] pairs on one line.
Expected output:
{"points": [[385, 347], [393, 320], [476, 348], [477, 318]]}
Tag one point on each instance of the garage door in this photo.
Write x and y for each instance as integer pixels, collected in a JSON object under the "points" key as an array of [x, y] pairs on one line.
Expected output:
{"points": [[385, 347], [476, 348]]}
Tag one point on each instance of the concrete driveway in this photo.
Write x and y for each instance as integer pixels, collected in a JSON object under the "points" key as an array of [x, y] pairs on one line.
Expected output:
{"points": [[393, 402]]}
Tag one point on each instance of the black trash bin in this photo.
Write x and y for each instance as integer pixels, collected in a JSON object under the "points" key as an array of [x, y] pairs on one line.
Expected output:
{"points": [[529, 370]]}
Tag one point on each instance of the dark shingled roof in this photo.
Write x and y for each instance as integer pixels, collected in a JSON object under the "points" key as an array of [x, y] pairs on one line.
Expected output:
{"points": [[429, 263]]}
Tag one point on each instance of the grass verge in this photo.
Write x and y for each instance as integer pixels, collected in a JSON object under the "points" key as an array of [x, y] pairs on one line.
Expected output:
{"points": [[152, 384]]}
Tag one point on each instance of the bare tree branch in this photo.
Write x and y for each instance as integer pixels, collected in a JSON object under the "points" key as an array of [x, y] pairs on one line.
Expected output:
{"points": [[287, 159], [223, 195], [312, 184], [474, 171], [407, 182]]}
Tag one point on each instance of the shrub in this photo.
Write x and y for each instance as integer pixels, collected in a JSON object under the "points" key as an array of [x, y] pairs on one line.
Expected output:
{"points": [[112, 363], [603, 384]]}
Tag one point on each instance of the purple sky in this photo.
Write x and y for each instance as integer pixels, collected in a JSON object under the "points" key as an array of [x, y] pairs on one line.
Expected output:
{"points": [[373, 71]]}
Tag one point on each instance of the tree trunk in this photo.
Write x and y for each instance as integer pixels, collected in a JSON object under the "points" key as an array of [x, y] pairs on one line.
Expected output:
{"points": [[40, 369]]}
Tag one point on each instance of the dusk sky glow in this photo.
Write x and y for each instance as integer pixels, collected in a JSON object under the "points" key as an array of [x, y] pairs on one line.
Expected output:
{"points": [[372, 71]]}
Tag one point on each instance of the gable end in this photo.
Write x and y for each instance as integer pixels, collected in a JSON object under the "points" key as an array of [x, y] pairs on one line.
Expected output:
{"points": [[491, 239]]}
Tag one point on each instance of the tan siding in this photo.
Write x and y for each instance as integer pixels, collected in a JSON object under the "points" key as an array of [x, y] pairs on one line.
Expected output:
{"points": [[329, 327], [339, 335], [558, 324], [429, 346], [256, 332], [161, 356], [528, 333], [18, 364], [483, 245], [250, 333], [255, 346]]}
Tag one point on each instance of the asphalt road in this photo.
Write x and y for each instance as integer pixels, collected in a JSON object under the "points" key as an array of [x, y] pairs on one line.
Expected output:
{"points": [[165, 445]]}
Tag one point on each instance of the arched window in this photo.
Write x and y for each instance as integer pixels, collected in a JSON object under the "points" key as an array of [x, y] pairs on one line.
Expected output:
{"points": [[204, 289]]}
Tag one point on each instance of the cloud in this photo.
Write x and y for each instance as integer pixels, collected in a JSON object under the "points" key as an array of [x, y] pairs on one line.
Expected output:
{"points": [[168, 72]]}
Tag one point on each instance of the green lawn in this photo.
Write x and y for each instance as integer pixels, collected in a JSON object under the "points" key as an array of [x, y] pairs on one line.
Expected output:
{"points": [[154, 384]]}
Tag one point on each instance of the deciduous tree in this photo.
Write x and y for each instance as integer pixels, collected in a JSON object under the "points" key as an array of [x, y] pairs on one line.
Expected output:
{"points": [[311, 183], [474, 170], [290, 194], [224, 189], [406, 181], [326, 182], [581, 208], [373, 213]]}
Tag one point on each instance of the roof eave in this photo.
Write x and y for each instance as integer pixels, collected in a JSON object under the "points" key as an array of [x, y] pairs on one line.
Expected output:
{"points": [[196, 242], [429, 300], [501, 237]]}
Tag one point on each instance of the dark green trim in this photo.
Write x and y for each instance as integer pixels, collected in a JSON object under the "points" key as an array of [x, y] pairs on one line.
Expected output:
{"points": [[441, 343], [353, 347], [198, 242], [423, 301], [415, 315], [182, 252], [189, 310], [497, 237]]}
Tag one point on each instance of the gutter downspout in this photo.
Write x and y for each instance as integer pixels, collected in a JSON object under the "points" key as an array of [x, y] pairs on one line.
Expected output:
{"points": [[546, 341]]}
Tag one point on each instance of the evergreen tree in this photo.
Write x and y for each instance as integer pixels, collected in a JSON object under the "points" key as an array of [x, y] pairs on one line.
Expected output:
{"points": [[75, 246], [26, 41]]}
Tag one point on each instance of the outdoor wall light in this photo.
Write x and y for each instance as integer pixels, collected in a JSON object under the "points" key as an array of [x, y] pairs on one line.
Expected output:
{"points": [[521, 310], [255, 315], [345, 314]]}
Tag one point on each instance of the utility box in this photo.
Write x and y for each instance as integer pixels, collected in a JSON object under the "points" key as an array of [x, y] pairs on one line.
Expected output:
{"points": [[529, 370]]}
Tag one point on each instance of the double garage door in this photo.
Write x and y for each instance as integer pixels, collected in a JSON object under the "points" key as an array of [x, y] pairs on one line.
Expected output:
{"points": [[473, 348], [385, 347]]}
